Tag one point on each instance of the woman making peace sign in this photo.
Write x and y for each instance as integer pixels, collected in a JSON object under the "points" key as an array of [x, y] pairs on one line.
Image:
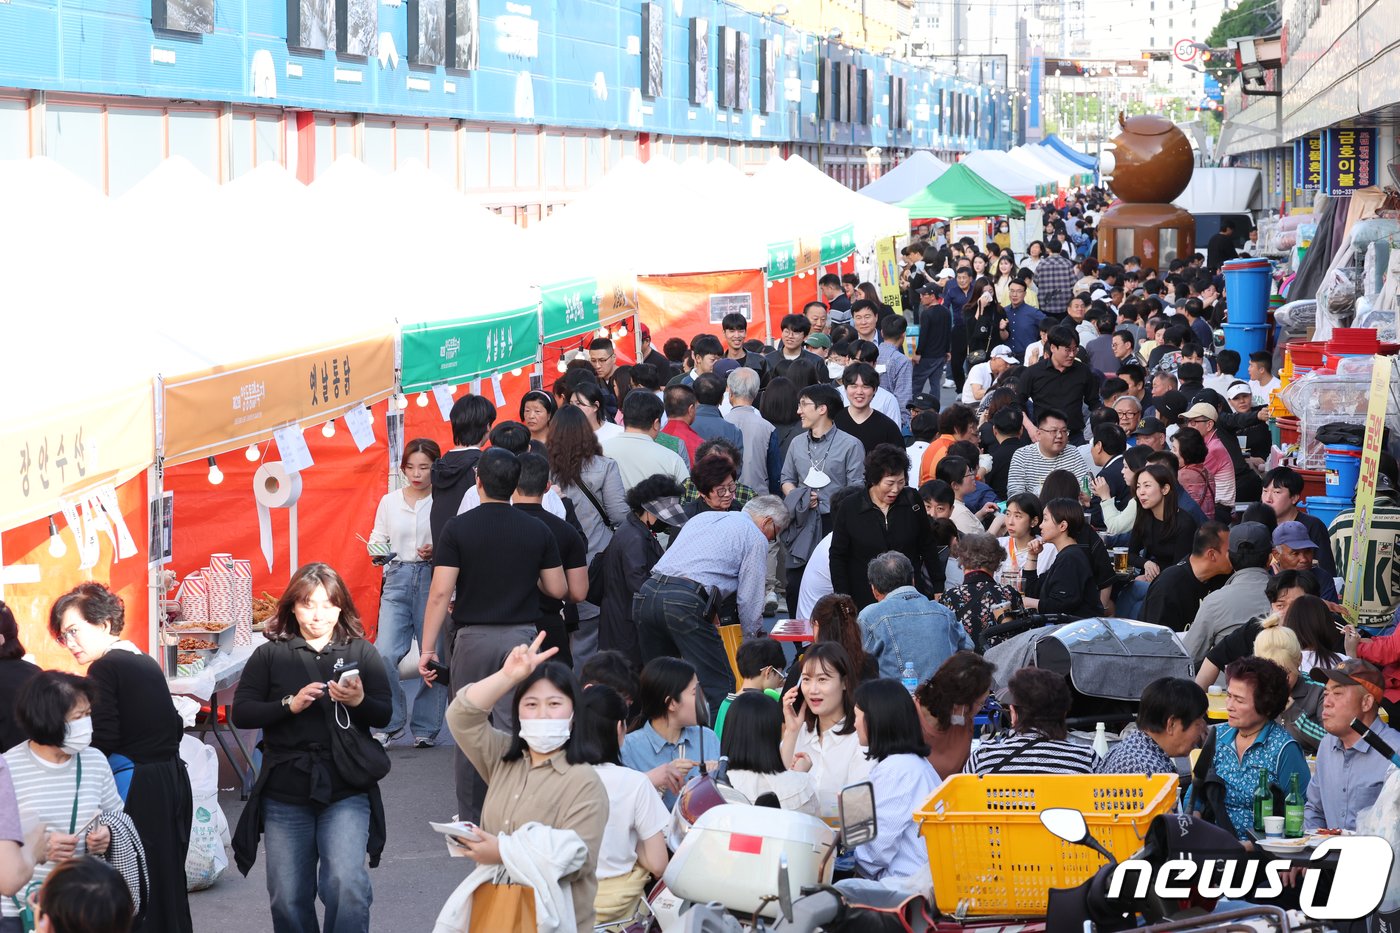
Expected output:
{"points": [[540, 772]]}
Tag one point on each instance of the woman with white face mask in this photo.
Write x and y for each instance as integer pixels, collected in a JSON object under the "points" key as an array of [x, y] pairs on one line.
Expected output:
{"points": [[58, 775], [540, 773], [135, 725]]}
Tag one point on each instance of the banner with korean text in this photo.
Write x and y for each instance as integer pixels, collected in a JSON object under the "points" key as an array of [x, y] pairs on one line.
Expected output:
{"points": [[454, 352], [1348, 159], [231, 407], [573, 308], [1366, 483], [60, 454]]}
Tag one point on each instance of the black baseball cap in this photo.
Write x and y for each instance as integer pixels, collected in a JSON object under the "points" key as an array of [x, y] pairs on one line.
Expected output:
{"points": [[1149, 426], [923, 402]]}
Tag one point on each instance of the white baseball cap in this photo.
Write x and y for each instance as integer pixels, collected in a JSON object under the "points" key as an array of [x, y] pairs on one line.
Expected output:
{"points": [[1002, 352]]}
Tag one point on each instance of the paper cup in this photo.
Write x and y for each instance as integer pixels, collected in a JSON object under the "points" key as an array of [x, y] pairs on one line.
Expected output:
{"points": [[1273, 827]]}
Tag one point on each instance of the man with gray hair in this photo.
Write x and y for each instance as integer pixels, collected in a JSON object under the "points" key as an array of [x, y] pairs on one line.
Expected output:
{"points": [[760, 441], [715, 555], [904, 627]]}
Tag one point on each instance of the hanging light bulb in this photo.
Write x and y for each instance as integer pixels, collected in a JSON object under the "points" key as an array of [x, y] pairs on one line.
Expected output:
{"points": [[602, 331], [216, 475], [563, 365], [56, 546], [422, 399], [516, 372], [328, 429], [402, 401], [252, 453], [621, 331]]}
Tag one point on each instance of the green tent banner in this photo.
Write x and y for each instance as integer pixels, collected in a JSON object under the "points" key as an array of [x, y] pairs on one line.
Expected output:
{"points": [[458, 351], [577, 307], [782, 261], [837, 244]]}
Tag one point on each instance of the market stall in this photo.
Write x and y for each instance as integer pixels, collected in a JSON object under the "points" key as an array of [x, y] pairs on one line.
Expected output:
{"points": [[1011, 176], [961, 192], [907, 178]]}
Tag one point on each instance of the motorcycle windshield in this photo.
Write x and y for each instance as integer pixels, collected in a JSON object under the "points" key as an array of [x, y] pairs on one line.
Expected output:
{"points": [[1114, 658]]}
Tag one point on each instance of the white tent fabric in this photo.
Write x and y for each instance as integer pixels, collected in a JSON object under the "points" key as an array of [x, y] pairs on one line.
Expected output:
{"points": [[909, 177], [1007, 174], [1030, 156], [1052, 159], [872, 219]]}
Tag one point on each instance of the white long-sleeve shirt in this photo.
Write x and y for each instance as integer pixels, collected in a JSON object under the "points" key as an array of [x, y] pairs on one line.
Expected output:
{"points": [[402, 526], [902, 783]]}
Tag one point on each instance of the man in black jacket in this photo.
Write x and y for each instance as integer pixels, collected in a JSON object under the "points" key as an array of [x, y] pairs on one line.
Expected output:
{"points": [[932, 352], [625, 564], [1062, 382], [573, 551], [1221, 247], [455, 471]]}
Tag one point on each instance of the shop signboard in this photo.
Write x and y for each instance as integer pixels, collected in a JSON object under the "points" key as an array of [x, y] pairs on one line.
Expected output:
{"points": [[458, 351], [1348, 159], [782, 260], [1307, 155], [210, 412], [576, 307], [1366, 483], [887, 272]]}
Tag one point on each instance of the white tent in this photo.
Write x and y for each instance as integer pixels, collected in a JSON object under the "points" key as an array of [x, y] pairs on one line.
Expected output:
{"points": [[871, 218], [1007, 174], [909, 177]]}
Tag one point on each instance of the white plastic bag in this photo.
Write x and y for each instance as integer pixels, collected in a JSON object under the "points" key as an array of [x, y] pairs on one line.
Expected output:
{"points": [[1382, 819], [208, 857]]}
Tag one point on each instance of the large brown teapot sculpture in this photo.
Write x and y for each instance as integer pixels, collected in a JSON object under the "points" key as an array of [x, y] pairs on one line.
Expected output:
{"points": [[1146, 165]]}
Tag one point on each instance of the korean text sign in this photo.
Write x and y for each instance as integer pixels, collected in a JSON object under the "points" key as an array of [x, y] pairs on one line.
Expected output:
{"points": [[1348, 159]]}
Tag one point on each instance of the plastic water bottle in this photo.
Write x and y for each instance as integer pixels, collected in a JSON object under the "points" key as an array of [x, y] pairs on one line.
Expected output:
{"points": [[911, 679], [1100, 740]]}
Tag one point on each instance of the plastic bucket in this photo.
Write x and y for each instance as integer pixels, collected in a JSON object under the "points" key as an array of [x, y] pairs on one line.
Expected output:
{"points": [[1248, 283], [1306, 355], [1326, 508], [1343, 470], [1245, 339]]}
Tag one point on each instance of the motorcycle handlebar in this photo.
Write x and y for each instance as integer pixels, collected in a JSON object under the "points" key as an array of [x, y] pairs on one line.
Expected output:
{"points": [[1024, 622]]}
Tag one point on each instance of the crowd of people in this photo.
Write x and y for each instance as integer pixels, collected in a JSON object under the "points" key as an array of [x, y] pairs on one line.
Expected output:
{"points": [[574, 574]]}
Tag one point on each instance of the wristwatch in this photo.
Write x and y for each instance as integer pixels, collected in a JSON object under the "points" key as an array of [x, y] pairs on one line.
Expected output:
{"points": [[287, 701]]}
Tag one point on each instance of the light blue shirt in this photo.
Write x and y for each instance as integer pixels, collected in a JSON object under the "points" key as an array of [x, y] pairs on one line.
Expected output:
{"points": [[644, 749], [723, 551], [908, 627], [903, 784], [1347, 780]]}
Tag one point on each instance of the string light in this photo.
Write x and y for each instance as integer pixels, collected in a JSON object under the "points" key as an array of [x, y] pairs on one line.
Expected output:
{"points": [[402, 401], [216, 475], [328, 429], [253, 453], [56, 546], [516, 372], [422, 399], [563, 365]]}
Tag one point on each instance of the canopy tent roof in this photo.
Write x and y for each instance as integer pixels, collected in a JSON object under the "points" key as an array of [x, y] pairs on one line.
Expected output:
{"points": [[1053, 158], [907, 178], [1085, 162], [871, 218], [961, 192], [1010, 175], [1042, 160]]}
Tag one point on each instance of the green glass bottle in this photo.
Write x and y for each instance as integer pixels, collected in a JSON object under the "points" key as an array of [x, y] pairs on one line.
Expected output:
{"points": [[1263, 801], [1293, 810]]}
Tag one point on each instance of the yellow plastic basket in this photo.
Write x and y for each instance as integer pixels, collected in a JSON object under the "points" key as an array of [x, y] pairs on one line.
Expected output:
{"points": [[990, 855]]}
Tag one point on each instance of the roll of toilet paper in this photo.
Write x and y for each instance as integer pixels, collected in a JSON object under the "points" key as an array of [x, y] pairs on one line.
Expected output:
{"points": [[275, 488]]}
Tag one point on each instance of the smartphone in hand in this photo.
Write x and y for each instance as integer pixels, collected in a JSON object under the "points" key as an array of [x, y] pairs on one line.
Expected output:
{"points": [[439, 669], [348, 675]]}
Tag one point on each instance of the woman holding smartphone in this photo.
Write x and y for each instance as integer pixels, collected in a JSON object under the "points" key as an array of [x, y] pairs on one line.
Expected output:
{"points": [[316, 672]]}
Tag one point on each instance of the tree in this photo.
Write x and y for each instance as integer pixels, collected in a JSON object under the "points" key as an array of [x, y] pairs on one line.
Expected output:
{"points": [[1250, 18]]}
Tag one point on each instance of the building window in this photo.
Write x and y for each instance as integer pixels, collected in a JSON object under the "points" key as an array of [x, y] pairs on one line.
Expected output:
{"points": [[135, 145], [73, 138], [193, 135], [14, 128], [476, 159]]}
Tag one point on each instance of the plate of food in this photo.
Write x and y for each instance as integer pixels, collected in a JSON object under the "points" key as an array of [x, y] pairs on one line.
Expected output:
{"points": [[1281, 846], [1319, 836]]}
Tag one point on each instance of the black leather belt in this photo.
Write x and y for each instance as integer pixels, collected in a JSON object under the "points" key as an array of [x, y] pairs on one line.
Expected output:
{"points": [[681, 582]]}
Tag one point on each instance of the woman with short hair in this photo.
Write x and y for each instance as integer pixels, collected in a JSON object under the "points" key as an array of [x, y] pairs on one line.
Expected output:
{"points": [[753, 731], [134, 720], [537, 410], [58, 776], [901, 776], [667, 739], [948, 704], [716, 480], [1039, 740], [1068, 586], [1190, 448], [316, 822], [977, 601]]}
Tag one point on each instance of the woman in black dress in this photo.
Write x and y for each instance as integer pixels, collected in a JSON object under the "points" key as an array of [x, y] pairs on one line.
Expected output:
{"points": [[133, 716]]}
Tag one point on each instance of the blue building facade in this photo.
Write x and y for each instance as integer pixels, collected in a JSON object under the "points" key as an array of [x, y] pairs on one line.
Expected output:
{"points": [[521, 101]]}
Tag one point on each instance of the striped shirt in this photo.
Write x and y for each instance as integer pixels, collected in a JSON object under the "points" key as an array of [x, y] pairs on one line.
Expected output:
{"points": [[1029, 467], [1379, 581], [1032, 753], [46, 790]]}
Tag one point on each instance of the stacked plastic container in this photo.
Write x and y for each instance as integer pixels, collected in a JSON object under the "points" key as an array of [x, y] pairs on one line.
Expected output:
{"points": [[1248, 283]]}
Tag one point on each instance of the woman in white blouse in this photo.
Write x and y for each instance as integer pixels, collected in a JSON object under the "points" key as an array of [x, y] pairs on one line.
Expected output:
{"points": [[819, 725], [402, 534], [902, 778], [753, 729]]}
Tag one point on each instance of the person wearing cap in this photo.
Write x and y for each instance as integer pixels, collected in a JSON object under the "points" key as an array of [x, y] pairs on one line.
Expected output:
{"points": [[1244, 420], [655, 357], [1202, 416], [1241, 598], [1294, 550], [819, 344], [934, 347], [1349, 772], [1151, 433], [981, 377], [1283, 492]]}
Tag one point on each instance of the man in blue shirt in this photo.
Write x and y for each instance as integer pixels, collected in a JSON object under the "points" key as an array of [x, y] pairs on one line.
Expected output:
{"points": [[709, 421], [903, 626], [1349, 771], [1022, 325]]}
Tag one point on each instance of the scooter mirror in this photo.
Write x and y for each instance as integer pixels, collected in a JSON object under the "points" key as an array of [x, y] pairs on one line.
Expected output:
{"points": [[1065, 823], [857, 806]]}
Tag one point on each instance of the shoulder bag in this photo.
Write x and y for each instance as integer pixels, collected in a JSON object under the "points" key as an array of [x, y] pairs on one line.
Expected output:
{"points": [[597, 506], [361, 761]]}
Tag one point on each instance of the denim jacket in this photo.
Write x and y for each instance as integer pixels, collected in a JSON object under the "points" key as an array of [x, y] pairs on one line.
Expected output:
{"points": [[908, 627]]}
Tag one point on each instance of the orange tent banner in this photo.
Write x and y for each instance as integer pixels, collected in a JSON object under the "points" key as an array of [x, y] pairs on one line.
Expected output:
{"points": [[230, 407], [686, 305], [59, 455], [30, 602]]}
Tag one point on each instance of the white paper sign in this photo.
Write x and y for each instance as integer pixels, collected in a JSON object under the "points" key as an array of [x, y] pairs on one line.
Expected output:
{"points": [[443, 395], [361, 427], [476, 386], [291, 446], [125, 544], [90, 548], [496, 390]]}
